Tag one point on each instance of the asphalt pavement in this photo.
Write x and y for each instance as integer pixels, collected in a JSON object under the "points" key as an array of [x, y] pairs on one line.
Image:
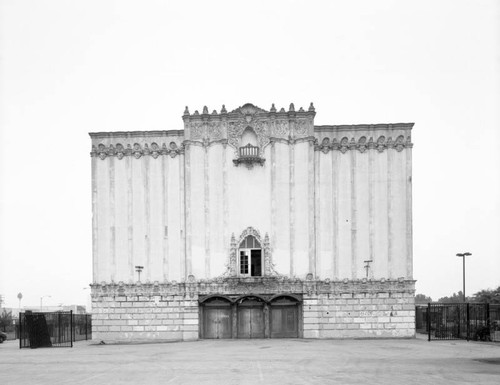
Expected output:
{"points": [[272, 361]]}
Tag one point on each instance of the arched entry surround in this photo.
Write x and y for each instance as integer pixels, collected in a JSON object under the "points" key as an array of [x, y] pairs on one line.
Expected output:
{"points": [[251, 316], [267, 263]]}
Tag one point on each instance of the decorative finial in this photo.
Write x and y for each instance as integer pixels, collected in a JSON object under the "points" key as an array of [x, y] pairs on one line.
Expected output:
{"points": [[186, 111], [196, 112], [282, 109], [223, 110], [273, 109], [205, 110], [301, 109], [292, 108], [311, 108], [214, 112]]}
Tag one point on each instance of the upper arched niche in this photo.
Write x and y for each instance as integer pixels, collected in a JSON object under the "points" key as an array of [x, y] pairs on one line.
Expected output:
{"points": [[248, 137]]}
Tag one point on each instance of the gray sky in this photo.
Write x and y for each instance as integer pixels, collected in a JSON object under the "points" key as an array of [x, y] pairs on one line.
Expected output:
{"points": [[71, 67]]}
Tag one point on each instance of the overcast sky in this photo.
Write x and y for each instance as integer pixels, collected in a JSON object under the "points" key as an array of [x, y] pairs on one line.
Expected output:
{"points": [[72, 67]]}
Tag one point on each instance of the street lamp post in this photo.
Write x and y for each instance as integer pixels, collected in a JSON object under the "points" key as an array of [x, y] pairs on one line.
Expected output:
{"points": [[463, 255], [41, 300]]}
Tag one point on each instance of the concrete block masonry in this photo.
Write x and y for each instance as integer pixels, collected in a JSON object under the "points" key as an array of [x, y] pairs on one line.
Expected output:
{"points": [[368, 315], [137, 318]]}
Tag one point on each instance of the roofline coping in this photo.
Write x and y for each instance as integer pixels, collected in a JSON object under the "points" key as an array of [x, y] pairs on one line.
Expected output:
{"points": [[375, 127], [135, 134]]}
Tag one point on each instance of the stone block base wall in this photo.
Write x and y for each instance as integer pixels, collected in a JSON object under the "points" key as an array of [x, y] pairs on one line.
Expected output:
{"points": [[122, 318], [330, 309], [360, 315]]}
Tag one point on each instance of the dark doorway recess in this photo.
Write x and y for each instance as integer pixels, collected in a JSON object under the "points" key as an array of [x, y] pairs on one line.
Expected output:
{"points": [[285, 318], [256, 263], [217, 319], [251, 318]]}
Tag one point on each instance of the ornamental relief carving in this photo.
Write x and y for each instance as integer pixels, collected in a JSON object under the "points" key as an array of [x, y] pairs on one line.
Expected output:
{"points": [[232, 265], [301, 127], [196, 130], [363, 144], [281, 128], [136, 150], [216, 130], [235, 130], [192, 287]]}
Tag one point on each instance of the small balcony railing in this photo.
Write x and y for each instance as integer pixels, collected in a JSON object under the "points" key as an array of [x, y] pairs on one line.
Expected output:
{"points": [[248, 155]]}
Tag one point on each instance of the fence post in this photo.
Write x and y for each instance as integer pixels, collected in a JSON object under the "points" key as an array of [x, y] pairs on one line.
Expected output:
{"points": [[488, 323], [468, 321], [429, 321], [20, 331]]}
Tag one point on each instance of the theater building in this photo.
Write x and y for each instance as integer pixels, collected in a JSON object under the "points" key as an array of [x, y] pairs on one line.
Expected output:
{"points": [[253, 224]]}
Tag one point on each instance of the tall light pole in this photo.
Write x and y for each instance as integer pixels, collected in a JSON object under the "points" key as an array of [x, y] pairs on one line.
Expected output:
{"points": [[463, 255], [41, 300]]}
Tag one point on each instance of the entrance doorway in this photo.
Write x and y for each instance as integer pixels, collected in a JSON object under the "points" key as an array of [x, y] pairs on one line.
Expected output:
{"points": [[285, 318], [251, 318], [217, 319]]}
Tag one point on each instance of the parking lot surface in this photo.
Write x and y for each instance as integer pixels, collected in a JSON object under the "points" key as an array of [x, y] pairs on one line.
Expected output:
{"points": [[290, 361]]}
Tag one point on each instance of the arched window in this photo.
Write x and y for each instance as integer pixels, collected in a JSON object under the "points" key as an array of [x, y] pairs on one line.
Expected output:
{"points": [[250, 257], [249, 137]]}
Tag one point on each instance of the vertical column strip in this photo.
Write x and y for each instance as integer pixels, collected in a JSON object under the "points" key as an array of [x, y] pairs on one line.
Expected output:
{"points": [[95, 216], [207, 211], [147, 216], [112, 217], [314, 211], [130, 219], [187, 211], [389, 212], [409, 215], [354, 208], [371, 204], [273, 196], [292, 205], [164, 180], [335, 213], [225, 201]]}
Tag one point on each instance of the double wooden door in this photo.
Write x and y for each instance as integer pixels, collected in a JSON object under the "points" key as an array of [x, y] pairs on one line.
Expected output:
{"points": [[251, 322], [284, 322], [217, 322], [251, 318]]}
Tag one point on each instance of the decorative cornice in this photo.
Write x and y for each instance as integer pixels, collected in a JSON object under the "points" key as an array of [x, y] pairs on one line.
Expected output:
{"points": [[361, 127], [256, 285], [362, 144], [136, 134], [137, 151]]}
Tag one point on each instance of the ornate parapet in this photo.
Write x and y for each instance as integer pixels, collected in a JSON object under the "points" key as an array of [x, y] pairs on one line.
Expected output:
{"points": [[280, 124], [363, 137]]}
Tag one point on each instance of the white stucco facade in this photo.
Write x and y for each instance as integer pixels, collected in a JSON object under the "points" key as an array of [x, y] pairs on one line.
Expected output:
{"points": [[320, 200]]}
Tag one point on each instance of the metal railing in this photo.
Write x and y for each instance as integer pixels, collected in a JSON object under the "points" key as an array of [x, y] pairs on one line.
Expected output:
{"points": [[447, 321], [249, 151], [57, 329]]}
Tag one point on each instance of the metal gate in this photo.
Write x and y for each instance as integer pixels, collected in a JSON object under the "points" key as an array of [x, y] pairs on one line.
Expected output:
{"points": [[56, 329], [447, 321]]}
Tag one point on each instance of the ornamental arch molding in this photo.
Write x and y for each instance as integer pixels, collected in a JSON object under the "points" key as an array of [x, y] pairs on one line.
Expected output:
{"points": [[268, 266]]}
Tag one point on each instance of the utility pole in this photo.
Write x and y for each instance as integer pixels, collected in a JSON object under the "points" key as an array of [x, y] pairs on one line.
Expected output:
{"points": [[367, 266], [463, 255]]}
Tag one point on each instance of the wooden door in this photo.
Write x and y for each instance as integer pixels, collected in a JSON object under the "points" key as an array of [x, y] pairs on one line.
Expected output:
{"points": [[284, 322], [217, 323], [250, 322]]}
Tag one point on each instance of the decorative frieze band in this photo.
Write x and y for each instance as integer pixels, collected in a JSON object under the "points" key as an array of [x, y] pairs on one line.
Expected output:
{"points": [[362, 144], [254, 285], [136, 150]]}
